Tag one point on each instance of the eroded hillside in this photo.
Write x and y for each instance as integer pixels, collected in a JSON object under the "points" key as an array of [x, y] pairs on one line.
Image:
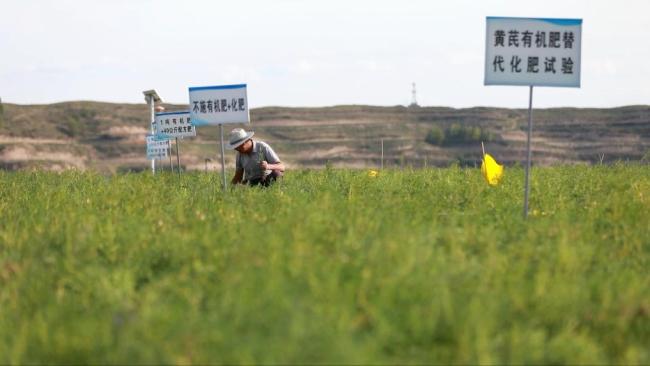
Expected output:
{"points": [[110, 137]]}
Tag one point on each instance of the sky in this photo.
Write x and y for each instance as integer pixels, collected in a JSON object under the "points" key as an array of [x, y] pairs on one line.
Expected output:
{"points": [[306, 53]]}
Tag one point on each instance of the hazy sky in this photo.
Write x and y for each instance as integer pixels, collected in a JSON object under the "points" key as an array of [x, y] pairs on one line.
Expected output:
{"points": [[306, 53]]}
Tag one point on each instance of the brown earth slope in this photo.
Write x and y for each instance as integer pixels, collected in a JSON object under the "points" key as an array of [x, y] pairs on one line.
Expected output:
{"points": [[110, 137]]}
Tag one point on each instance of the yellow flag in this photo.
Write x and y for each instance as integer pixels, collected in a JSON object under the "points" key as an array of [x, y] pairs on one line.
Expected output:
{"points": [[492, 171]]}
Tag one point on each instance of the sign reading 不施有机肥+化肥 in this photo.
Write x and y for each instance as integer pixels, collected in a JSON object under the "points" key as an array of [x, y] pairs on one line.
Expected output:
{"points": [[533, 51], [215, 105]]}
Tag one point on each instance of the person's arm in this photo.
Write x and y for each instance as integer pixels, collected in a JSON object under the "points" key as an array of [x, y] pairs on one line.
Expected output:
{"points": [[277, 166], [271, 161], [239, 174]]}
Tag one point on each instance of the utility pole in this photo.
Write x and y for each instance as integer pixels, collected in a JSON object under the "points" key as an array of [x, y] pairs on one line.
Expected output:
{"points": [[151, 97]]}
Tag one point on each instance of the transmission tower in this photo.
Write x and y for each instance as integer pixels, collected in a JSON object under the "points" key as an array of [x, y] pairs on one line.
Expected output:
{"points": [[414, 100]]}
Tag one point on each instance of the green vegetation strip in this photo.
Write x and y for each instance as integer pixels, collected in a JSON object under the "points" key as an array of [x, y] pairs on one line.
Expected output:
{"points": [[331, 266]]}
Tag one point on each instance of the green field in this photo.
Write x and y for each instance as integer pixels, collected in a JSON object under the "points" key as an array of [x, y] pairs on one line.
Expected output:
{"points": [[330, 266]]}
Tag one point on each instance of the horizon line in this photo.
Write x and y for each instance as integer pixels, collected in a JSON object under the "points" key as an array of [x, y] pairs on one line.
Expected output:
{"points": [[332, 105]]}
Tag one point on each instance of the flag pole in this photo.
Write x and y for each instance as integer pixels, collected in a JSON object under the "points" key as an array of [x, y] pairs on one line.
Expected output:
{"points": [[528, 152], [483, 148], [381, 166]]}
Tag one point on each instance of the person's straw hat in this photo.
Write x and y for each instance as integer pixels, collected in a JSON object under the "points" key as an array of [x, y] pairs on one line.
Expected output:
{"points": [[237, 137]]}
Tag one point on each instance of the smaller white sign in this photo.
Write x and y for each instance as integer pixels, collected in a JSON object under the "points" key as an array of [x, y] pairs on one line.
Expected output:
{"points": [[174, 124], [157, 148], [217, 105]]}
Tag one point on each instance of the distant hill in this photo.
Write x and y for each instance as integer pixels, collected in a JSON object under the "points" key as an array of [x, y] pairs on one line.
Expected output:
{"points": [[110, 137]]}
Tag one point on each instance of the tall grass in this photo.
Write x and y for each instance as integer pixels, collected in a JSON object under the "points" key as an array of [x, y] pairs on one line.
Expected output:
{"points": [[331, 266]]}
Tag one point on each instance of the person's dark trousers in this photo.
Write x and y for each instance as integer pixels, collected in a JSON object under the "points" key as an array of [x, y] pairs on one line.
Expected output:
{"points": [[268, 180]]}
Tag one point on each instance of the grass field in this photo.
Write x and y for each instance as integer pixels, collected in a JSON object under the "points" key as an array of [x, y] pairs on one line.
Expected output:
{"points": [[330, 266]]}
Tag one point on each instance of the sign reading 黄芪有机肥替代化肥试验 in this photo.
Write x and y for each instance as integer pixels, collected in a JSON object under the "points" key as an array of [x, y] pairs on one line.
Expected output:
{"points": [[174, 124], [533, 51], [157, 148], [218, 105]]}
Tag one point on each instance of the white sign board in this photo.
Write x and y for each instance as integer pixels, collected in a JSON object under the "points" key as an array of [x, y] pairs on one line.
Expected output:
{"points": [[174, 124], [533, 51], [215, 105], [156, 147]]}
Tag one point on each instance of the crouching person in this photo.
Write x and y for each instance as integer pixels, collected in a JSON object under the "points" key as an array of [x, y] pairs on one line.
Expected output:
{"points": [[256, 162]]}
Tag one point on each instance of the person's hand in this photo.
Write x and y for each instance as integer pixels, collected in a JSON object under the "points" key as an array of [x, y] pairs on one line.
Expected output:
{"points": [[264, 165]]}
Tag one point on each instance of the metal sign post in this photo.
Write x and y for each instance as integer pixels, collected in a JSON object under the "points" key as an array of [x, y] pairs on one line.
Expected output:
{"points": [[178, 158], [223, 158], [528, 151], [171, 165]]}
